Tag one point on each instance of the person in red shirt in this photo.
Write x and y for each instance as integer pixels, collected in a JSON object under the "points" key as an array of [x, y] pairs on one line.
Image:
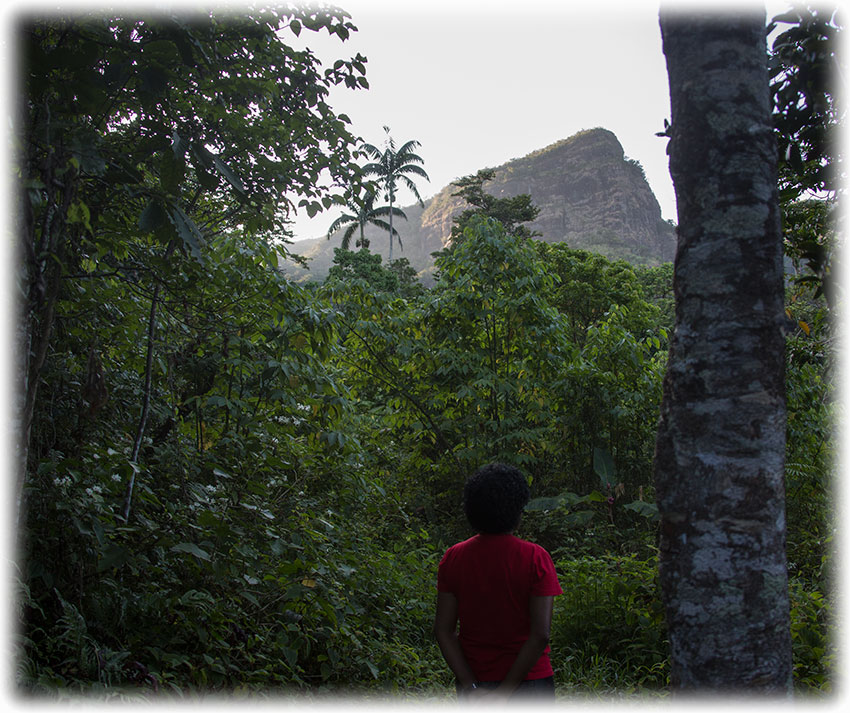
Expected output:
{"points": [[501, 589]]}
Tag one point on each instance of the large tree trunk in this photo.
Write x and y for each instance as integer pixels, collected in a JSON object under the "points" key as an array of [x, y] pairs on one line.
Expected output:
{"points": [[719, 457]]}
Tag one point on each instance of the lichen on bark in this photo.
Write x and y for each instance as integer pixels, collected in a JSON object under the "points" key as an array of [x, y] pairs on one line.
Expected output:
{"points": [[720, 447]]}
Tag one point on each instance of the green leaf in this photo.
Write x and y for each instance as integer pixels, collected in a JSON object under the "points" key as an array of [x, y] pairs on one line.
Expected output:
{"points": [[171, 170], [603, 466], [113, 556], [179, 146], [86, 150], [152, 217], [291, 655], [187, 231], [294, 591], [97, 529], [207, 518], [542, 504], [580, 518], [203, 154], [153, 80], [372, 668], [643, 508], [570, 498], [192, 549], [228, 175], [79, 213], [185, 50]]}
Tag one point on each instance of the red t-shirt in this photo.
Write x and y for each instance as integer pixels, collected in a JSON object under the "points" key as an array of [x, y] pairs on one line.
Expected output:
{"points": [[493, 577]]}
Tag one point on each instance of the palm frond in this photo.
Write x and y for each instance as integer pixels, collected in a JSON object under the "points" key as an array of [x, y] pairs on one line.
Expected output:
{"points": [[344, 219], [407, 149], [416, 170], [346, 236], [372, 151], [373, 169], [384, 225], [412, 186], [390, 140], [386, 210]]}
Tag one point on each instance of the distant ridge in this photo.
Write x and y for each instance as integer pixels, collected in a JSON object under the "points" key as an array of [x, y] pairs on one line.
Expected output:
{"points": [[589, 194]]}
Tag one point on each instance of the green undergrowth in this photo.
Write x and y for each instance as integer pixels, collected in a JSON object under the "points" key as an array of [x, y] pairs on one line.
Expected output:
{"points": [[609, 637]]}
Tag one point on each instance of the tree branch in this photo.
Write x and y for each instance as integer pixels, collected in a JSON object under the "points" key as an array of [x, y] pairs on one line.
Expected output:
{"points": [[146, 399]]}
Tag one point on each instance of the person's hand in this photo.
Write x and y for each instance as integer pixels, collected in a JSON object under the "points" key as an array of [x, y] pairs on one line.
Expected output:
{"points": [[489, 696]]}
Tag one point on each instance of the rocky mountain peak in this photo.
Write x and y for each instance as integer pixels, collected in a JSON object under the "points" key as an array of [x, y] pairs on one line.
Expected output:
{"points": [[589, 194]]}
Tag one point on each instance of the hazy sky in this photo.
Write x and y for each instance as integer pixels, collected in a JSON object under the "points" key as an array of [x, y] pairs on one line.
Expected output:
{"points": [[480, 82]]}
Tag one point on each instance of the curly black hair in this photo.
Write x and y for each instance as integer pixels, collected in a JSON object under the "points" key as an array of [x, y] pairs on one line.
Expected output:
{"points": [[493, 498]]}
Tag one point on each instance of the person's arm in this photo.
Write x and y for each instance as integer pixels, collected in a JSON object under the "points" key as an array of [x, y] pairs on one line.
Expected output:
{"points": [[540, 610], [445, 630]]}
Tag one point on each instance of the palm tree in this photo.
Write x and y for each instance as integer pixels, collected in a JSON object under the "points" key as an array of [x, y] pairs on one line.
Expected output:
{"points": [[392, 166], [363, 213]]}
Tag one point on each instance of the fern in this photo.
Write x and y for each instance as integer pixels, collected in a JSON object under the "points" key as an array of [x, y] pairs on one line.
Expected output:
{"points": [[93, 661], [74, 638]]}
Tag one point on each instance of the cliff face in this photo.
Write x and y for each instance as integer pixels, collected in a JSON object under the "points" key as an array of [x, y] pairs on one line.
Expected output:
{"points": [[590, 196]]}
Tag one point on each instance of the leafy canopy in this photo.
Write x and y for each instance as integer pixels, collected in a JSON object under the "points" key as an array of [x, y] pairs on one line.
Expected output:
{"points": [[196, 122], [511, 212]]}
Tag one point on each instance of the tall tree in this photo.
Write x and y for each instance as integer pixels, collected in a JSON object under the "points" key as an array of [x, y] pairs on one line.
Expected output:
{"points": [[804, 65], [145, 138], [808, 119], [511, 212], [363, 213], [721, 439], [392, 166]]}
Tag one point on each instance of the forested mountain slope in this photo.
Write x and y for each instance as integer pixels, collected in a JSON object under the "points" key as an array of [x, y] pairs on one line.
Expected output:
{"points": [[589, 194]]}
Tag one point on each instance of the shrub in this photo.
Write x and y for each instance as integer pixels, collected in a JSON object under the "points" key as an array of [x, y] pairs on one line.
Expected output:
{"points": [[608, 626], [813, 648]]}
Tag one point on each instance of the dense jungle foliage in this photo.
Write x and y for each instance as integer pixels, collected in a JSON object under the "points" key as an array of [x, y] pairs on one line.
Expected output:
{"points": [[233, 483]]}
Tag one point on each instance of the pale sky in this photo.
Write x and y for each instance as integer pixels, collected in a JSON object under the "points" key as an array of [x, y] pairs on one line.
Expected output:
{"points": [[481, 82]]}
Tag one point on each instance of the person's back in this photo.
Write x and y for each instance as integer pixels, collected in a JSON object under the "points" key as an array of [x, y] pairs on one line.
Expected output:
{"points": [[500, 588]]}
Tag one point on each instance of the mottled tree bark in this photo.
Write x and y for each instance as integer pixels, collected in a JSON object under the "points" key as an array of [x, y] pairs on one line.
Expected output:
{"points": [[719, 457]]}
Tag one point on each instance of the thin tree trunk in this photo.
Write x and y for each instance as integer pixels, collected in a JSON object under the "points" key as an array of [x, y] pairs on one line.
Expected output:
{"points": [[43, 251], [146, 401], [37, 343], [719, 460], [390, 258]]}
